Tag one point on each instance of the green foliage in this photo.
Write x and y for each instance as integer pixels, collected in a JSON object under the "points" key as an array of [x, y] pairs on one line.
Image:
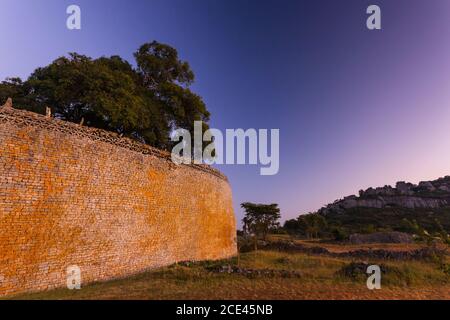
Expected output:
{"points": [[259, 219], [408, 226], [310, 225], [21, 92], [169, 78], [370, 228], [339, 233], [427, 226], [291, 226], [145, 103], [441, 232], [313, 224], [421, 222]]}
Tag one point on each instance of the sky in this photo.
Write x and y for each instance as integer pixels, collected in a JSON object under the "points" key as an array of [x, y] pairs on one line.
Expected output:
{"points": [[355, 107]]}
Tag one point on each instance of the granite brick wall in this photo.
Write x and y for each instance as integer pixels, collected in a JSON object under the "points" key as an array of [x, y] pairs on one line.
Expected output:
{"points": [[69, 195]]}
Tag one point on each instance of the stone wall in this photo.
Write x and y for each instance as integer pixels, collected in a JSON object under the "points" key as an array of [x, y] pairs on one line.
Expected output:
{"points": [[381, 237], [71, 195]]}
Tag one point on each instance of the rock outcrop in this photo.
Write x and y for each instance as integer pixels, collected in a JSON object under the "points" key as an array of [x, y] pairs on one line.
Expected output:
{"points": [[427, 194]]}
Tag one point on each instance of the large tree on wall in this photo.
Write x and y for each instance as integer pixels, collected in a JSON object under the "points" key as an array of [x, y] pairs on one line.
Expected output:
{"points": [[145, 103]]}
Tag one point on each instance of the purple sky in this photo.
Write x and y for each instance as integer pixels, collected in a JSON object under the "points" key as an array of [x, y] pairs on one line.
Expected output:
{"points": [[355, 108]]}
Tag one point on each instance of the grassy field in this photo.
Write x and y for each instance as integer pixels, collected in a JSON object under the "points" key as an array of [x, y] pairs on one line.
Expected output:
{"points": [[318, 278]]}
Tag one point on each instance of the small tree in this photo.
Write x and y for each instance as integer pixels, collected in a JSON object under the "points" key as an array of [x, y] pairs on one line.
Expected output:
{"points": [[260, 219], [312, 224], [291, 226]]}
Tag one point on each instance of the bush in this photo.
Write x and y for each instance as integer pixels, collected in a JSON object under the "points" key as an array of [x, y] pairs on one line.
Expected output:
{"points": [[339, 234]]}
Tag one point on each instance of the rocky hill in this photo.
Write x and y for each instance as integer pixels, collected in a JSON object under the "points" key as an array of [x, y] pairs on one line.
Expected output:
{"points": [[425, 195], [406, 207]]}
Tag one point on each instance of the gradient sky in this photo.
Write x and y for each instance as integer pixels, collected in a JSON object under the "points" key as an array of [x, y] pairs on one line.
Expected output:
{"points": [[355, 108]]}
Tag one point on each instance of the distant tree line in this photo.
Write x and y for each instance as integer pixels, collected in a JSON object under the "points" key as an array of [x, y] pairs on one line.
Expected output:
{"points": [[425, 225], [260, 220]]}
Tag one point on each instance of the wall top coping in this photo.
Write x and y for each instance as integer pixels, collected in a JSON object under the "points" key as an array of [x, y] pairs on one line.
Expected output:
{"points": [[23, 118]]}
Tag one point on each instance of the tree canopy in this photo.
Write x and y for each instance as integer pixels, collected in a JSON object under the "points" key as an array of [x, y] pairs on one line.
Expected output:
{"points": [[259, 219], [145, 102]]}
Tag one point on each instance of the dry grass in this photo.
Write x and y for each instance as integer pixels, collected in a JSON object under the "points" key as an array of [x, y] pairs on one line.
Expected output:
{"points": [[318, 280], [339, 248]]}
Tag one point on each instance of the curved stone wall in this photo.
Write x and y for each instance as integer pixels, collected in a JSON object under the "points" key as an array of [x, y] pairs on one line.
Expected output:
{"points": [[71, 195]]}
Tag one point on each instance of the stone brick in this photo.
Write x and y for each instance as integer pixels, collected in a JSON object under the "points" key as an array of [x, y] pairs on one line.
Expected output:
{"points": [[71, 195]]}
